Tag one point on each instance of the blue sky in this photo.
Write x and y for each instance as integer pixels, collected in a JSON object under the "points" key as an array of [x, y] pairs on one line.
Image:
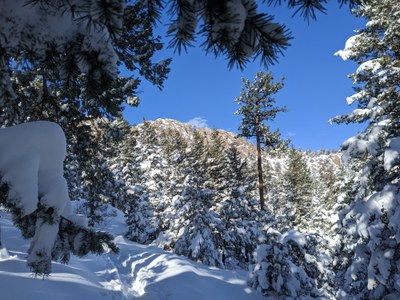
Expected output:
{"points": [[201, 87]]}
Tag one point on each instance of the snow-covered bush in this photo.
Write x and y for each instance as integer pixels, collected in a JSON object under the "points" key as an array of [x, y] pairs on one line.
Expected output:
{"points": [[289, 265], [33, 188]]}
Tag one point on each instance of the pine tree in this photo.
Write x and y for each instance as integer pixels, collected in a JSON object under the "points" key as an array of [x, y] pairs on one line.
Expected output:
{"points": [[299, 188], [235, 29], [142, 225], [238, 210], [198, 228], [174, 147], [99, 186], [328, 181], [258, 107], [370, 224], [289, 266], [82, 65], [216, 163]]}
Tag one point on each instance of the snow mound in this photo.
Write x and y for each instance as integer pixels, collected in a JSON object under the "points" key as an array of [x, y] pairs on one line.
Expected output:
{"points": [[346, 53], [31, 161], [4, 254]]}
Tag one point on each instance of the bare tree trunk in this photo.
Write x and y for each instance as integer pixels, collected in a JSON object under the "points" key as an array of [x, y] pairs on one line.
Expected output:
{"points": [[260, 175]]}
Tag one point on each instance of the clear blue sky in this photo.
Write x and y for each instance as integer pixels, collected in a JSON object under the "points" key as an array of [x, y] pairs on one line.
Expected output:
{"points": [[316, 83]]}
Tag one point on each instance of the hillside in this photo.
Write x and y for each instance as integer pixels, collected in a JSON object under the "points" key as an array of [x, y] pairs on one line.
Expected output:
{"points": [[277, 161], [246, 147]]}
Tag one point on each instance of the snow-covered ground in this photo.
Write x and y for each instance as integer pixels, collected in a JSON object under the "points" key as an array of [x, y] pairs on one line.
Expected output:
{"points": [[138, 271]]}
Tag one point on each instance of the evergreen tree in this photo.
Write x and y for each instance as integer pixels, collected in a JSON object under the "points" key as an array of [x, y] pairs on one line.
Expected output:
{"points": [[278, 204], [289, 266], [238, 172], [69, 75], [328, 181], [99, 186], [216, 163], [142, 225], [237, 210], [174, 146], [197, 226], [79, 64], [370, 224], [299, 188], [153, 164], [258, 107]]}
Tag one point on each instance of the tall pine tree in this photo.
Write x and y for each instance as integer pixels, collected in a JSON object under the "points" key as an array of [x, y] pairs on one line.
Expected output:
{"points": [[370, 223], [257, 106]]}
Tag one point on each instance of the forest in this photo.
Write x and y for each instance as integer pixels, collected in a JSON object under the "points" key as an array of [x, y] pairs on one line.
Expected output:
{"points": [[301, 224]]}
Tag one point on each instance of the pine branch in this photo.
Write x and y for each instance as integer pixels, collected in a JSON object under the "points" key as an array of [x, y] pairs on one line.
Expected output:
{"points": [[308, 8]]}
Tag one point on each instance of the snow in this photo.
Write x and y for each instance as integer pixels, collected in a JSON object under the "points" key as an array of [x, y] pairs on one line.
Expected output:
{"points": [[347, 51], [31, 161], [356, 97], [144, 272], [61, 24], [372, 65], [392, 154], [4, 253], [294, 235], [32, 165]]}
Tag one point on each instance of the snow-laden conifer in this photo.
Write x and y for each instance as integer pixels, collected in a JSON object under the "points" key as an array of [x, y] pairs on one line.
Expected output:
{"points": [[370, 225], [299, 188], [289, 266]]}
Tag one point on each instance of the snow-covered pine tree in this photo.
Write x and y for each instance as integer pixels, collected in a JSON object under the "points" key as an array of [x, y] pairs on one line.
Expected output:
{"points": [[289, 266], [299, 188], [129, 160], [328, 180], [79, 56], [215, 160], [142, 225], [125, 167], [197, 227], [257, 106], [174, 147], [370, 223], [99, 186], [153, 166], [328, 184], [238, 210]]}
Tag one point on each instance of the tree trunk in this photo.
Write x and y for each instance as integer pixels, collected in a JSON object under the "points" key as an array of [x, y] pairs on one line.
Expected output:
{"points": [[260, 175]]}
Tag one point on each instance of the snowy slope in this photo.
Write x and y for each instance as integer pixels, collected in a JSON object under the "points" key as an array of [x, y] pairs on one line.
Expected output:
{"points": [[143, 272]]}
